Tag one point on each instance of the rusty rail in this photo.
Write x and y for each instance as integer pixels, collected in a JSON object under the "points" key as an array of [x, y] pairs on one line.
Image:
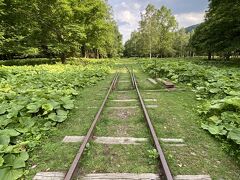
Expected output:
{"points": [[165, 172], [164, 169], [75, 164]]}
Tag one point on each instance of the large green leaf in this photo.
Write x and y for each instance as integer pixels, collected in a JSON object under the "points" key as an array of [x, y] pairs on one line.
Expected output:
{"points": [[214, 129], [55, 104], [10, 174], [14, 110], [4, 121], [4, 139], [9, 159], [59, 117], [235, 135], [27, 122], [1, 161], [33, 107], [9, 132], [3, 108], [67, 102], [16, 160], [215, 119], [234, 101], [19, 161], [48, 107]]}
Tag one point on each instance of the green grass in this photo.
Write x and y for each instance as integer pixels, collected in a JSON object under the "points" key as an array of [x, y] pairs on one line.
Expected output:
{"points": [[202, 154], [120, 123], [53, 155], [118, 159], [176, 117]]}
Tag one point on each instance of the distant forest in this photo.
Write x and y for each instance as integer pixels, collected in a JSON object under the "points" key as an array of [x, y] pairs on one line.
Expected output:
{"points": [[159, 36]]}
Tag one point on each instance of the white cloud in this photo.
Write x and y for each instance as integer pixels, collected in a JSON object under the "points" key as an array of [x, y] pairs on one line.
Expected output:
{"points": [[123, 4], [188, 19], [126, 16], [128, 22], [136, 6], [127, 13]]}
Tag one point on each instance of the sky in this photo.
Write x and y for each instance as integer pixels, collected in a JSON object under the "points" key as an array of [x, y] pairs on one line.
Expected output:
{"points": [[127, 12]]}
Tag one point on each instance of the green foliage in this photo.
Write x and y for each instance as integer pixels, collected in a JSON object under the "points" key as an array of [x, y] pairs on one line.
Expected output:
{"points": [[28, 62], [220, 31], [33, 100], [152, 155], [217, 89], [157, 35], [60, 28]]}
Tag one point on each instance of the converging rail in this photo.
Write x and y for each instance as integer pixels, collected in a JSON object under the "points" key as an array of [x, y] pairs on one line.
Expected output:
{"points": [[165, 172], [74, 166]]}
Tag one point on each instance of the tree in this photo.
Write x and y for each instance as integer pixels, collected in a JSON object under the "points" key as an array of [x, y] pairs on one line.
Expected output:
{"points": [[181, 41], [165, 28], [15, 26], [60, 28], [155, 35], [148, 28], [220, 33]]}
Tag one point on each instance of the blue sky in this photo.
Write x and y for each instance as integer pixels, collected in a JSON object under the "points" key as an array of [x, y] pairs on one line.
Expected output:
{"points": [[127, 12]]}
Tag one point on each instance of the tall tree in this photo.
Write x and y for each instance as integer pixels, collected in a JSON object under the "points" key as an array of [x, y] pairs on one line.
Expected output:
{"points": [[220, 33], [59, 27], [181, 41], [15, 26], [148, 28], [165, 28], [155, 35]]}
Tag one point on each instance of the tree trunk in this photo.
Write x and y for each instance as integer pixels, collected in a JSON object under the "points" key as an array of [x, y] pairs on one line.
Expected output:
{"points": [[209, 55], [83, 51], [227, 56], [97, 54], [63, 58]]}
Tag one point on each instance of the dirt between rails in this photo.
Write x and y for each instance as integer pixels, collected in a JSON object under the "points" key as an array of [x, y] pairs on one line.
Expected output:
{"points": [[123, 114]]}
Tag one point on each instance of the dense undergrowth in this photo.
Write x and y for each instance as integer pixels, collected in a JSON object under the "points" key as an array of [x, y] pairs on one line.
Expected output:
{"points": [[217, 88], [39, 61], [33, 100]]}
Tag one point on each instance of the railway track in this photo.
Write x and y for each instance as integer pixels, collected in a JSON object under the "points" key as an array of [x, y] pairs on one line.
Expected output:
{"points": [[164, 170]]}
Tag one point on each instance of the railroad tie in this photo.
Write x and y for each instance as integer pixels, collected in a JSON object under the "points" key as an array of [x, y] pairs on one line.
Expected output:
{"points": [[108, 176], [133, 100], [122, 91], [173, 142], [152, 81], [123, 81], [107, 140], [49, 176], [132, 176], [167, 84], [123, 140], [192, 177], [133, 107]]}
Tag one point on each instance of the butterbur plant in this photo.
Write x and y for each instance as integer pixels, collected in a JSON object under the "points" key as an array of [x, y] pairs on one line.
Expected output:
{"points": [[33, 100], [217, 90]]}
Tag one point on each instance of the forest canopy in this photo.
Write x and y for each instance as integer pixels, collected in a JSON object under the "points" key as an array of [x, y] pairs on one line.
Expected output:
{"points": [[58, 28], [220, 33], [158, 34]]}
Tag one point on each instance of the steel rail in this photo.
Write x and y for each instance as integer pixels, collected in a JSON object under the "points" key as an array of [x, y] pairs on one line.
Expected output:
{"points": [[75, 164], [165, 172], [131, 76]]}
